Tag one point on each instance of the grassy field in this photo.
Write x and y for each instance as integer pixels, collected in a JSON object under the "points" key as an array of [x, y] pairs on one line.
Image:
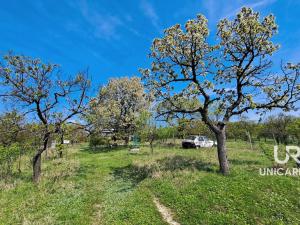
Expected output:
{"points": [[115, 187]]}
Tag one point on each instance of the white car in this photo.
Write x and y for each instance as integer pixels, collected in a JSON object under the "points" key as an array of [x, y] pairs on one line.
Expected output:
{"points": [[195, 141]]}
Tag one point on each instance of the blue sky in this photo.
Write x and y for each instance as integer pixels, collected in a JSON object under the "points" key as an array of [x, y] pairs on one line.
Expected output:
{"points": [[112, 38]]}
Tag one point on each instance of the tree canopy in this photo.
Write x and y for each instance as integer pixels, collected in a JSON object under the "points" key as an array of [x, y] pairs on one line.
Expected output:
{"points": [[118, 106]]}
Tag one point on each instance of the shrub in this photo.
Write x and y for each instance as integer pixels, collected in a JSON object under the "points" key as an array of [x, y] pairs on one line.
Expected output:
{"points": [[98, 141], [8, 155]]}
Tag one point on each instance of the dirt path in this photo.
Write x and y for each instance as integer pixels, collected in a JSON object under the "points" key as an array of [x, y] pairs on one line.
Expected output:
{"points": [[165, 212]]}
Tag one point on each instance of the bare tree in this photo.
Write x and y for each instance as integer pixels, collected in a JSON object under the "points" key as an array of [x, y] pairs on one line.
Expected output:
{"points": [[39, 91], [230, 78]]}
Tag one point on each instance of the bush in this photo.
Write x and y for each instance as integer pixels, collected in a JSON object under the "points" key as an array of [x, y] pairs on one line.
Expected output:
{"points": [[8, 156], [98, 141]]}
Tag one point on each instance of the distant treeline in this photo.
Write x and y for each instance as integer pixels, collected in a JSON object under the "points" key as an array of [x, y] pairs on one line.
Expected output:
{"points": [[282, 129]]}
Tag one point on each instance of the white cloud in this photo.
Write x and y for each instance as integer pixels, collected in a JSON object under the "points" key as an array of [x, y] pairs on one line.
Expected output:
{"points": [[211, 9], [104, 25], [215, 10], [261, 3], [150, 13], [254, 5]]}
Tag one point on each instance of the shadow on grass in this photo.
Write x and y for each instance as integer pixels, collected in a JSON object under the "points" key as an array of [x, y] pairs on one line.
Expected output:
{"points": [[244, 162], [83, 171], [102, 149], [12, 177], [135, 173]]}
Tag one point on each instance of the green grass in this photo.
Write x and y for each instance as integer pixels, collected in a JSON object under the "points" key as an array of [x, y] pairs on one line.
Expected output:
{"points": [[115, 187]]}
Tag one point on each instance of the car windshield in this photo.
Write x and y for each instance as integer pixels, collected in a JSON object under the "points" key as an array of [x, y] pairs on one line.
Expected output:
{"points": [[203, 138], [191, 138]]}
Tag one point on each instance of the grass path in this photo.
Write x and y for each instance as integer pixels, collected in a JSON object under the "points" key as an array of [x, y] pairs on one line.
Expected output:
{"points": [[165, 212], [114, 200]]}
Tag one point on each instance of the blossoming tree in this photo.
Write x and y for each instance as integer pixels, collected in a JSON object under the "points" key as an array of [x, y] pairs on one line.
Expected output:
{"points": [[227, 78]]}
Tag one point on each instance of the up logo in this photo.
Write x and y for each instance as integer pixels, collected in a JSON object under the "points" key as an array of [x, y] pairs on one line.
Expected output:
{"points": [[295, 154]]}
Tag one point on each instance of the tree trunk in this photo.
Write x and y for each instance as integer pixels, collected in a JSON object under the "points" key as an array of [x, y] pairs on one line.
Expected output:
{"points": [[151, 147], [222, 152], [250, 139], [19, 163], [36, 163], [37, 159], [19, 166], [275, 140], [60, 154], [126, 140], [173, 138]]}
